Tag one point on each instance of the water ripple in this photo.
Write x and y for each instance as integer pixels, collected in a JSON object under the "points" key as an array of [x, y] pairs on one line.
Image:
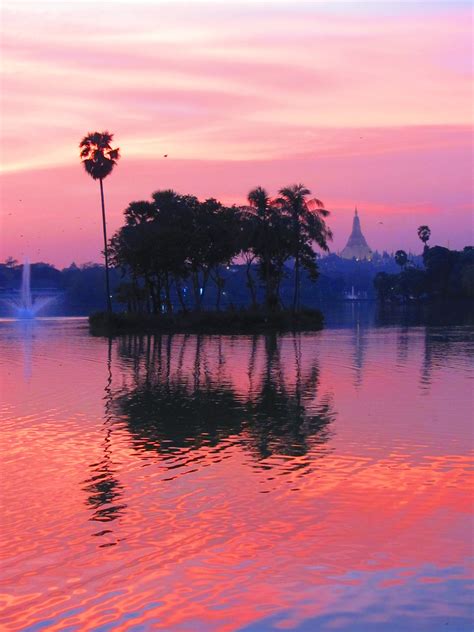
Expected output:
{"points": [[223, 483]]}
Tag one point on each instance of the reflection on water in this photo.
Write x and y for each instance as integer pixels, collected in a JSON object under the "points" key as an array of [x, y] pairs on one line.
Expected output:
{"points": [[103, 487], [309, 482], [182, 395]]}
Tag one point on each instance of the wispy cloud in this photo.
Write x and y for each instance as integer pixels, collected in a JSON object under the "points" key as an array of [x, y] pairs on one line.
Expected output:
{"points": [[342, 84]]}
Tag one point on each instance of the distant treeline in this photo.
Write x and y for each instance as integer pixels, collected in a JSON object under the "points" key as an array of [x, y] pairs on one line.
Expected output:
{"points": [[443, 274], [79, 290], [177, 253]]}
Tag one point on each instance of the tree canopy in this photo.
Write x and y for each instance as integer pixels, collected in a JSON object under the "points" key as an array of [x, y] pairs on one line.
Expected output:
{"points": [[173, 246], [97, 154]]}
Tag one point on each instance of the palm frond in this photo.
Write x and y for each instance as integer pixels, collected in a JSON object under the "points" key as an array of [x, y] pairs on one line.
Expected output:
{"points": [[97, 155], [114, 154], [316, 202]]}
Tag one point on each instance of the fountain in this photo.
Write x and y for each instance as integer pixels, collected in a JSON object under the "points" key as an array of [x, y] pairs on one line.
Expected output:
{"points": [[26, 307]]}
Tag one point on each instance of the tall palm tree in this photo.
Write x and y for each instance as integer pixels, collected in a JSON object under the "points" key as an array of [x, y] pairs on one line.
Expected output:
{"points": [[308, 225], [259, 200], [99, 159], [424, 233]]}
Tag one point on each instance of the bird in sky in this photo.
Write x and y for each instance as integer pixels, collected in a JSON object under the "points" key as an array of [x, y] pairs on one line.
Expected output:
{"points": [[165, 155]]}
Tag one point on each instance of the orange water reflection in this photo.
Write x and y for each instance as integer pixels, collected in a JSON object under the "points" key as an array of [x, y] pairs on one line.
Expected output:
{"points": [[216, 483]]}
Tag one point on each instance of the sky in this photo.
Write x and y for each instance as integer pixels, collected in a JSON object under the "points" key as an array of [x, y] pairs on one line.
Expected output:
{"points": [[366, 103]]}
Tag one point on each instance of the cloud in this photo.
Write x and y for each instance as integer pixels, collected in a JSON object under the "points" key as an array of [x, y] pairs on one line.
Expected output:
{"points": [[372, 102]]}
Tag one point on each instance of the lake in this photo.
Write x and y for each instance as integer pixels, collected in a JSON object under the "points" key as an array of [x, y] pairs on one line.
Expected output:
{"points": [[304, 482]]}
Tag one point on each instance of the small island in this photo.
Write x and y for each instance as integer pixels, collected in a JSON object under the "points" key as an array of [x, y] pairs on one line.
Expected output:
{"points": [[234, 321], [173, 251]]}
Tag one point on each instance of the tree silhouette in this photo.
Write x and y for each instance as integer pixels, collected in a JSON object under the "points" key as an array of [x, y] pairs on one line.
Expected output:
{"points": [[174, 402], [424, 233], [308, 226], [259, 199], [176, 246], [99, 159], [401, 258], [247, 239]]}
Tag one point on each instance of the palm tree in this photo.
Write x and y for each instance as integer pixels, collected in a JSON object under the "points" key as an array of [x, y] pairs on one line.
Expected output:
{"points": [[99, 159], [424, 233], [259, 200], [308, 225]]}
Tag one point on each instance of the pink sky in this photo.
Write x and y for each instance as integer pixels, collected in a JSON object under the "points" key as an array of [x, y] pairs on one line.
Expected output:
{"points": [[366, 103]]}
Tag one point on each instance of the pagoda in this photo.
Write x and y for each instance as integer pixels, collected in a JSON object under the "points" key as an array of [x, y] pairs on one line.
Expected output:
{"points": [[356, 247]]}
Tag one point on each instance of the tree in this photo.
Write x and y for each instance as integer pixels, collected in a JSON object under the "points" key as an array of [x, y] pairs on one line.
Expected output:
{"points": [[424, 233], [265, 239], [139, 212], [175, 239], [260, 201], [439, 264], [99, 159], [248, 229], [308, 225], [384, 284], [176, 246], [213, 241], [412, 284], [401, 258], [225, 243]]}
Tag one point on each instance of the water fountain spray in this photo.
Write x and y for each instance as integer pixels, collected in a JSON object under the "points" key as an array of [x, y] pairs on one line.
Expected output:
{"points": [[26, 307]]}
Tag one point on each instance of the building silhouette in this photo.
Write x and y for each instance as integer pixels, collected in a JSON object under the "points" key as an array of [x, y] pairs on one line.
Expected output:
{"points": [[356, 247]]}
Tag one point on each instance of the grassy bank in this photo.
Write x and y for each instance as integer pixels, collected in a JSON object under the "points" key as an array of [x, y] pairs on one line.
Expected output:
{"points": [[227, 322]]}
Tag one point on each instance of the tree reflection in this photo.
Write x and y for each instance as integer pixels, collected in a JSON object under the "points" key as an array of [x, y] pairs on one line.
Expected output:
{"points": [[403, 345], [103, 487], [440, 346], [184, 394], [280, 416]]}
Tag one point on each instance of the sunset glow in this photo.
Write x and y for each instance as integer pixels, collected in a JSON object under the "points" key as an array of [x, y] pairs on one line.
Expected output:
{"points": [[366, 103]]}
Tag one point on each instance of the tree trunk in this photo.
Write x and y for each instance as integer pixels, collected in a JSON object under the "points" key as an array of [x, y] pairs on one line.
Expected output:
{"points": [[251, 287], [296, 295], [219, 286], [279, 302], [152, 295], [169, 304], [268, 290], [202, 291], [179, 292], [106, 250], [272, 287], [196, 290], [266, 267], [219, 283]]}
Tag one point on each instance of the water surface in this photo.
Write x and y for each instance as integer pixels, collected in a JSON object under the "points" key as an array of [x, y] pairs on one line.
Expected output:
{"points": [[311, 482]]}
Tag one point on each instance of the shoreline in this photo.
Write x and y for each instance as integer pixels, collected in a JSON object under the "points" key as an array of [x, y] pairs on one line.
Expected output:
{"points": [[207, 322]]}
